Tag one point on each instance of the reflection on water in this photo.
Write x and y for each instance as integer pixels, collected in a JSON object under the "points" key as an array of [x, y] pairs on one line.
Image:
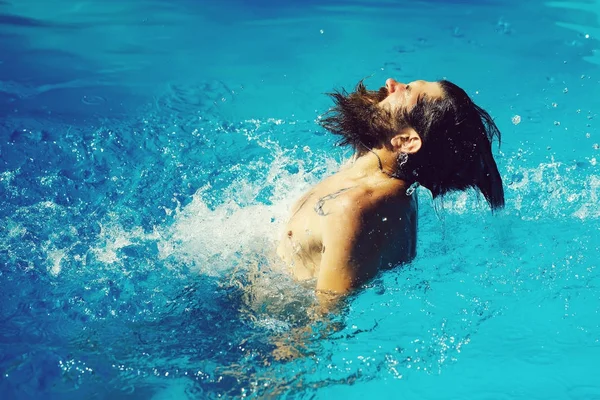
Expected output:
{"points": [[276, 58]]}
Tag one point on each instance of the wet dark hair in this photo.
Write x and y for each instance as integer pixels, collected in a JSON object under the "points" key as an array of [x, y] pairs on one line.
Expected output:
{"points": [[456, 134]]}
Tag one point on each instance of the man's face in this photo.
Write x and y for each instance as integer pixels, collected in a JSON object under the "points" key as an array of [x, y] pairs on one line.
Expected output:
{"points": [[405, 95], [368, 118]]}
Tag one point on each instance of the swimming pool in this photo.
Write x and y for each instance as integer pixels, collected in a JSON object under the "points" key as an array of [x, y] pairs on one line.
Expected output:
{"points": [[150, 150]]}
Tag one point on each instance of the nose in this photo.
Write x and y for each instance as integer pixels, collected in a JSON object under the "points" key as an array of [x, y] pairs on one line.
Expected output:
{"points": [[392, 85]]}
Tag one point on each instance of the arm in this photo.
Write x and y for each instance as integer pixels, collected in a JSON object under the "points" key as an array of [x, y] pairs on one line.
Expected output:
{"points": [[347, 260], [350, 249]]}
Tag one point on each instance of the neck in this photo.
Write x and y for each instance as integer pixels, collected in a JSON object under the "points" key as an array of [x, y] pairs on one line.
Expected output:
{"points": [[386, 162], [375, 161]]}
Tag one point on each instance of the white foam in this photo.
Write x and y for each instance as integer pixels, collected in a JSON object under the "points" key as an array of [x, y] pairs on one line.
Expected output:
{"points": [[211, 239], [113, 237], [55, 258], [589, 207], [244, 227], [551, 189]]}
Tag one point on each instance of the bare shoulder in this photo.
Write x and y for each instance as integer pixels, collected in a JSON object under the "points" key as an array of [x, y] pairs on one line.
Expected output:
{"points": [[365, 198], [358, 207], [350, 200], [353, 238]]}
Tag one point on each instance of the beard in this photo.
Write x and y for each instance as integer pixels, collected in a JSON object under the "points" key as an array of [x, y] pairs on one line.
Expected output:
{"points": [[359, 120]]}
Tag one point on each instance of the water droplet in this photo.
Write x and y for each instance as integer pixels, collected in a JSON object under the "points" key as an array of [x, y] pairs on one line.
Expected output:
{"points": [[566, 90], [517, 178], [554, 105], [516, 120], [321, 31], [557, 123]]}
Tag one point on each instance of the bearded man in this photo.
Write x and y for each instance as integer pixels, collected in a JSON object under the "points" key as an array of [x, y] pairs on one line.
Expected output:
{"points": [[363, 218]]}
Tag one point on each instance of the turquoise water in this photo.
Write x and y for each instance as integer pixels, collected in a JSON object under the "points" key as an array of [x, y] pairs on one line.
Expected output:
{"points": [[150, 151]]}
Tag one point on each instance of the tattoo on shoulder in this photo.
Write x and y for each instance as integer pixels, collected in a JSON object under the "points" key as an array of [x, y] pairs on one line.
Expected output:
{"points": [[321, 202]]}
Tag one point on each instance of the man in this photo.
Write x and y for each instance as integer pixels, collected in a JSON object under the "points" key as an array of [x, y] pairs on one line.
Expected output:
{"points": [[364, 218]]}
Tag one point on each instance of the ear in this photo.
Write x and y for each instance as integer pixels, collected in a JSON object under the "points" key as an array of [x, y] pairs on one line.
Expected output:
{"points": [[408, 141]]}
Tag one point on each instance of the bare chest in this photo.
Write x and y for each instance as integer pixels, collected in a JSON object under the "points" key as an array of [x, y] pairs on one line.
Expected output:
{"points": [[301, 243], [391, 229]]}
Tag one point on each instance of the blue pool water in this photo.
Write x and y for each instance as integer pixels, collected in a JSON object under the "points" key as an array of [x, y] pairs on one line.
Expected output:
{"points": [[150, 150]]}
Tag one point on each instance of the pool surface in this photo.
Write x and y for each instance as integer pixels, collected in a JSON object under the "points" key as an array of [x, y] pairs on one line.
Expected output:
{"points": [[150, 151]]}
